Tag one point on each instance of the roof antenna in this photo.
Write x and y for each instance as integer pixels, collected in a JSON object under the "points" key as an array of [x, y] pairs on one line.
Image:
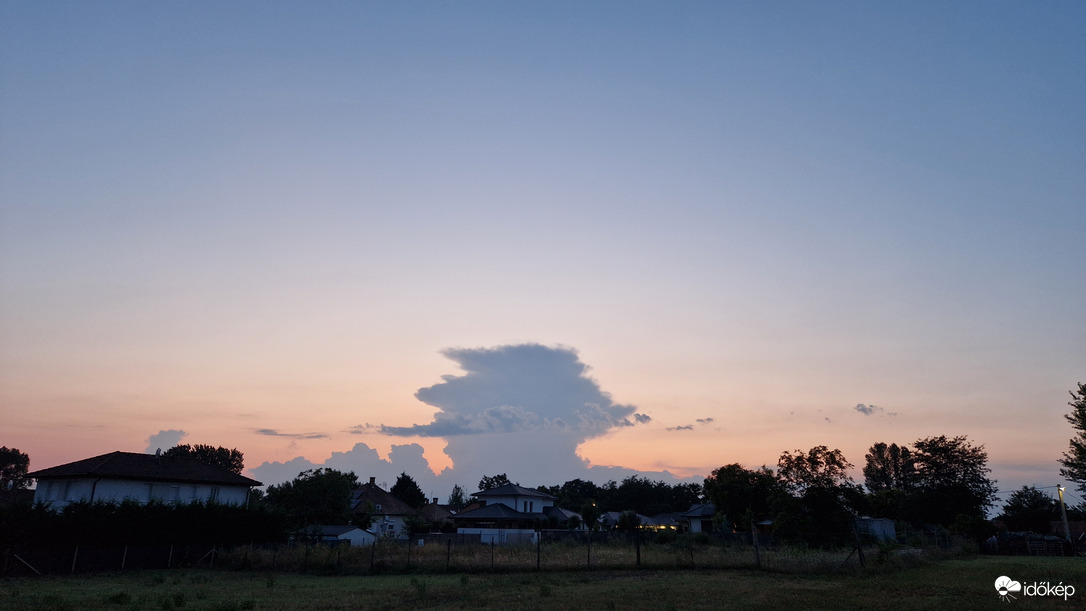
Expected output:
{"points": [[158, 453]]}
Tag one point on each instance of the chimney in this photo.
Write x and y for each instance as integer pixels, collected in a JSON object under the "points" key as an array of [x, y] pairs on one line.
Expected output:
{"points": [[372, 480], [435, 500]]}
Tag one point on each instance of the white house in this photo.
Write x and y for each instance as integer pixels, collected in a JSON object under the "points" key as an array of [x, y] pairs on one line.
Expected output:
{"points": [[508, 514], [127, 476], [389, 514], [336, 533]]}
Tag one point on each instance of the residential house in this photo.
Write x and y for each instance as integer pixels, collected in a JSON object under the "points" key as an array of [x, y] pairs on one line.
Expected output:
{"points": [[337, 534], [389, 514], [509, 514], [700, 517], [128, 476]]}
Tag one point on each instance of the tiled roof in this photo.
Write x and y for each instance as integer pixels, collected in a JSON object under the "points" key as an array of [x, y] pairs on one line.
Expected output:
{"points": [[129, 465], [512, 490]]}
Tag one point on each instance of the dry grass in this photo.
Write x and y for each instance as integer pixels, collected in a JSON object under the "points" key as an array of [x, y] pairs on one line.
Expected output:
{"points": [[957, 584]]}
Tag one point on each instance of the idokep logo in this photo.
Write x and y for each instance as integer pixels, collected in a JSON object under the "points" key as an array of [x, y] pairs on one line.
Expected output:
{"points": [[1007, 587]]}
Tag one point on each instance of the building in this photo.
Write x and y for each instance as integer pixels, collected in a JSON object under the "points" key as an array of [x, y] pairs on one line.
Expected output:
{"points": [[127, 476], [509, 514], [389, 514]]}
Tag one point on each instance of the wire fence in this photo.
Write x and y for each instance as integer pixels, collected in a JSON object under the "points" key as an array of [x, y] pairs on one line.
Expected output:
{"points": [[550, 551]]}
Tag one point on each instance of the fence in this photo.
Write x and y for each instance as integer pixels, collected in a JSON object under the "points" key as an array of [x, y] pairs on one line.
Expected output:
{"points": [[552, 551]]}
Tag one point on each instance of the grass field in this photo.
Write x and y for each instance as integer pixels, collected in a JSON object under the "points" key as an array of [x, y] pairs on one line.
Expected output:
{"points": [[946, 584]]}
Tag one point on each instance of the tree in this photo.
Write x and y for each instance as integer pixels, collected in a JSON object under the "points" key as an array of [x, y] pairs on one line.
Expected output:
{"points": [[316, 496], [232, 460], [1030, 509], [819, 467], [489, 483], [457, 499], [889, 467], [741, 495], [951, 480], [407, 490], [590, 515], [1074, 459], [13, 469], [628, 521]]}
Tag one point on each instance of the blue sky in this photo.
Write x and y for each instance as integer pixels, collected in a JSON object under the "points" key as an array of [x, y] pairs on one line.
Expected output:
{"points": [[234, 219]]}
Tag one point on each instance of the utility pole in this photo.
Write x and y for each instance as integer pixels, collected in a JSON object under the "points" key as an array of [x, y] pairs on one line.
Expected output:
{"points": [[1066, 526]]}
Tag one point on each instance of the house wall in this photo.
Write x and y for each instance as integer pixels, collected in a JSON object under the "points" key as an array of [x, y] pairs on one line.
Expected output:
{"points": [[525, 504], [58, 493], [389, 526], [500, 536], [358, 537]]}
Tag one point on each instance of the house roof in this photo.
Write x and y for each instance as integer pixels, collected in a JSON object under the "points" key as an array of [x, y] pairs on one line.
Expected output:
{"points": [[367, 498], [497, 511], [130, 465], [330, 530], [701, 510], [512, 490]]}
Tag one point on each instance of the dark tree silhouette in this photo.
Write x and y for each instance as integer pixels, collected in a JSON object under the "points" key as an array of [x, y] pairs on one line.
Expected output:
{"points": [[741, 495], [1031, 510], [13, 469], [232, 460], [457, 499], [491, 482], [407, 490], [951, 480], [889, 467], [316, 496], [1074, 459]]}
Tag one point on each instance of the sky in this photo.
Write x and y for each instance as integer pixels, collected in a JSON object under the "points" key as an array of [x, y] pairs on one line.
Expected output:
{"points": [[552, 240]]}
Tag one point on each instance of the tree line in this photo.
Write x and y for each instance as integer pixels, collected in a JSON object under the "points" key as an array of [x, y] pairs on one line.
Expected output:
{"points": [[809, 496]]}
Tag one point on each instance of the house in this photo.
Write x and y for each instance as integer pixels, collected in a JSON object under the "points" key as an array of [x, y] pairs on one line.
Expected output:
{"points": [[610, 520], [700, 517], [337, 534], [880, 529], [389, 514], [509, 514], [128, 476]]}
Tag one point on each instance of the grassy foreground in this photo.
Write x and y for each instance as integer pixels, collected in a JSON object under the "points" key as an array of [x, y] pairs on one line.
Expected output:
{"points": [[947, 584]]}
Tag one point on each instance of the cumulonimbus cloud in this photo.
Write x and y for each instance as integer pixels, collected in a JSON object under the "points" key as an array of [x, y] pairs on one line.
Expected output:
{"points": [[519, 388]]}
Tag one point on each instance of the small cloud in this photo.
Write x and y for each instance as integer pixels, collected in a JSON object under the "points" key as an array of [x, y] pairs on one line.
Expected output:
{"points": [[275, 433], [642, 418], [867, 410], [705, 420], [164, 440], [871, 410], [362, 429], [685, 427]]}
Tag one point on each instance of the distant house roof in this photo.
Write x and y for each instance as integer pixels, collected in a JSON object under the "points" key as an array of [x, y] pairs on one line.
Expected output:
{"points": [[372, 499], [512, 490], [130, 465], [497, 511], [329, 530], [701, 510]]}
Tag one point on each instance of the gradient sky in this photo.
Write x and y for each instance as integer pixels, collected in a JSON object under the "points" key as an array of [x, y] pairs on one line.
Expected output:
{"points": [[744, 227]]}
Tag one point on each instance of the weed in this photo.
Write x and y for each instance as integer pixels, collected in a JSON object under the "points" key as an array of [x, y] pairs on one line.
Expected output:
{"points": [[120, 598], [420, 587]]}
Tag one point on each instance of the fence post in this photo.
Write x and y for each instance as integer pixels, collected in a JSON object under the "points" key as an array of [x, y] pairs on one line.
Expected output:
{"points": [[638, 543], [448, 554], [588, 537], [373, 553], [539, 551], [757, 547], [169, 559], [124, 556]]}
